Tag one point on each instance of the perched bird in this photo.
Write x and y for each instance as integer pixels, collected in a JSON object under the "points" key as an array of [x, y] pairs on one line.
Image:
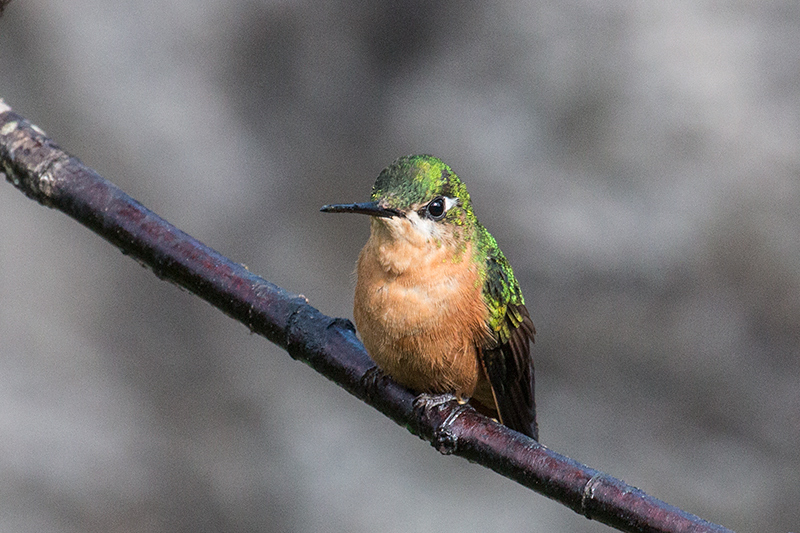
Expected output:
{"points": [[436, 303]]}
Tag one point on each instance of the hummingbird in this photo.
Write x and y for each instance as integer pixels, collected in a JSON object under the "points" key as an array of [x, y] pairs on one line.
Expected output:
{"points": [[436, 302]]}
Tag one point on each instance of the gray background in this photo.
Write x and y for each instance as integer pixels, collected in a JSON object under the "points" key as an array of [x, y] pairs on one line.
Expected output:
{"points": [[639, 164]]}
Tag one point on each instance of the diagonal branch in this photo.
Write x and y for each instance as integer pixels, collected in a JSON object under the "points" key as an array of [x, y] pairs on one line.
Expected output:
{"points": [[39, 168]]}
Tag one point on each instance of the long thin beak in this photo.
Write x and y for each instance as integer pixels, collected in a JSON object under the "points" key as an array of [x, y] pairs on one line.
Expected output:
{"points": [[366, 208]]}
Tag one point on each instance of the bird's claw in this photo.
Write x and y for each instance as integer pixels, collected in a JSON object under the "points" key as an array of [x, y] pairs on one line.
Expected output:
{"points": [[426, 404], [428, 400], [371, 381]]}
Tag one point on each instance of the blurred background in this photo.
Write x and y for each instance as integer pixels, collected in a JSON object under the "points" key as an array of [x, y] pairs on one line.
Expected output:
{"points": [[639, 164]]}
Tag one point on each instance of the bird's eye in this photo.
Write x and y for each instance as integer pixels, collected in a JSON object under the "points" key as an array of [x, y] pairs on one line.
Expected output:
{"points": [[436, 208]]}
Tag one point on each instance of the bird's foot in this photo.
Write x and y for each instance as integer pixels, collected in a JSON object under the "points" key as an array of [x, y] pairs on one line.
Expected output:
{"points": [[429, 406], [371, 380], [428, 400]]}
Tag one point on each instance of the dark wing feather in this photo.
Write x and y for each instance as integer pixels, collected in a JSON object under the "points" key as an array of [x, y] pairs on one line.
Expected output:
{"points": [[506, 358]]}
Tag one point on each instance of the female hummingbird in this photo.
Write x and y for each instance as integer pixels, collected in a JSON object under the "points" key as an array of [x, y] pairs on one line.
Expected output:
{"points": [[436, 302]]}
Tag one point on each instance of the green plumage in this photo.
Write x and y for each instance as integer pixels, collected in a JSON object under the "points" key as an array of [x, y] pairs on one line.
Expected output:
{"points": [[426, 192], [416, 180]]}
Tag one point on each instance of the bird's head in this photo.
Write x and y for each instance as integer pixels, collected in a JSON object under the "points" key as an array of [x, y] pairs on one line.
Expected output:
{"points": [[416, 195]]}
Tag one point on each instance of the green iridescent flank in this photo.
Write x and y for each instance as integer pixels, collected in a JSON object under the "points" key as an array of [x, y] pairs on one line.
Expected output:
{"points": [[418, 179], [500, 288]]}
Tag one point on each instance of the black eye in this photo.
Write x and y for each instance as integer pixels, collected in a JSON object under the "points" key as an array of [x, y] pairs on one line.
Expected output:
{"points": [[436, 208]]}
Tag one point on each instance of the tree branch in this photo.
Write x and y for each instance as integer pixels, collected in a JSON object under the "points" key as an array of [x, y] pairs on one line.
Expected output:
{"points": [[39, 168]]}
